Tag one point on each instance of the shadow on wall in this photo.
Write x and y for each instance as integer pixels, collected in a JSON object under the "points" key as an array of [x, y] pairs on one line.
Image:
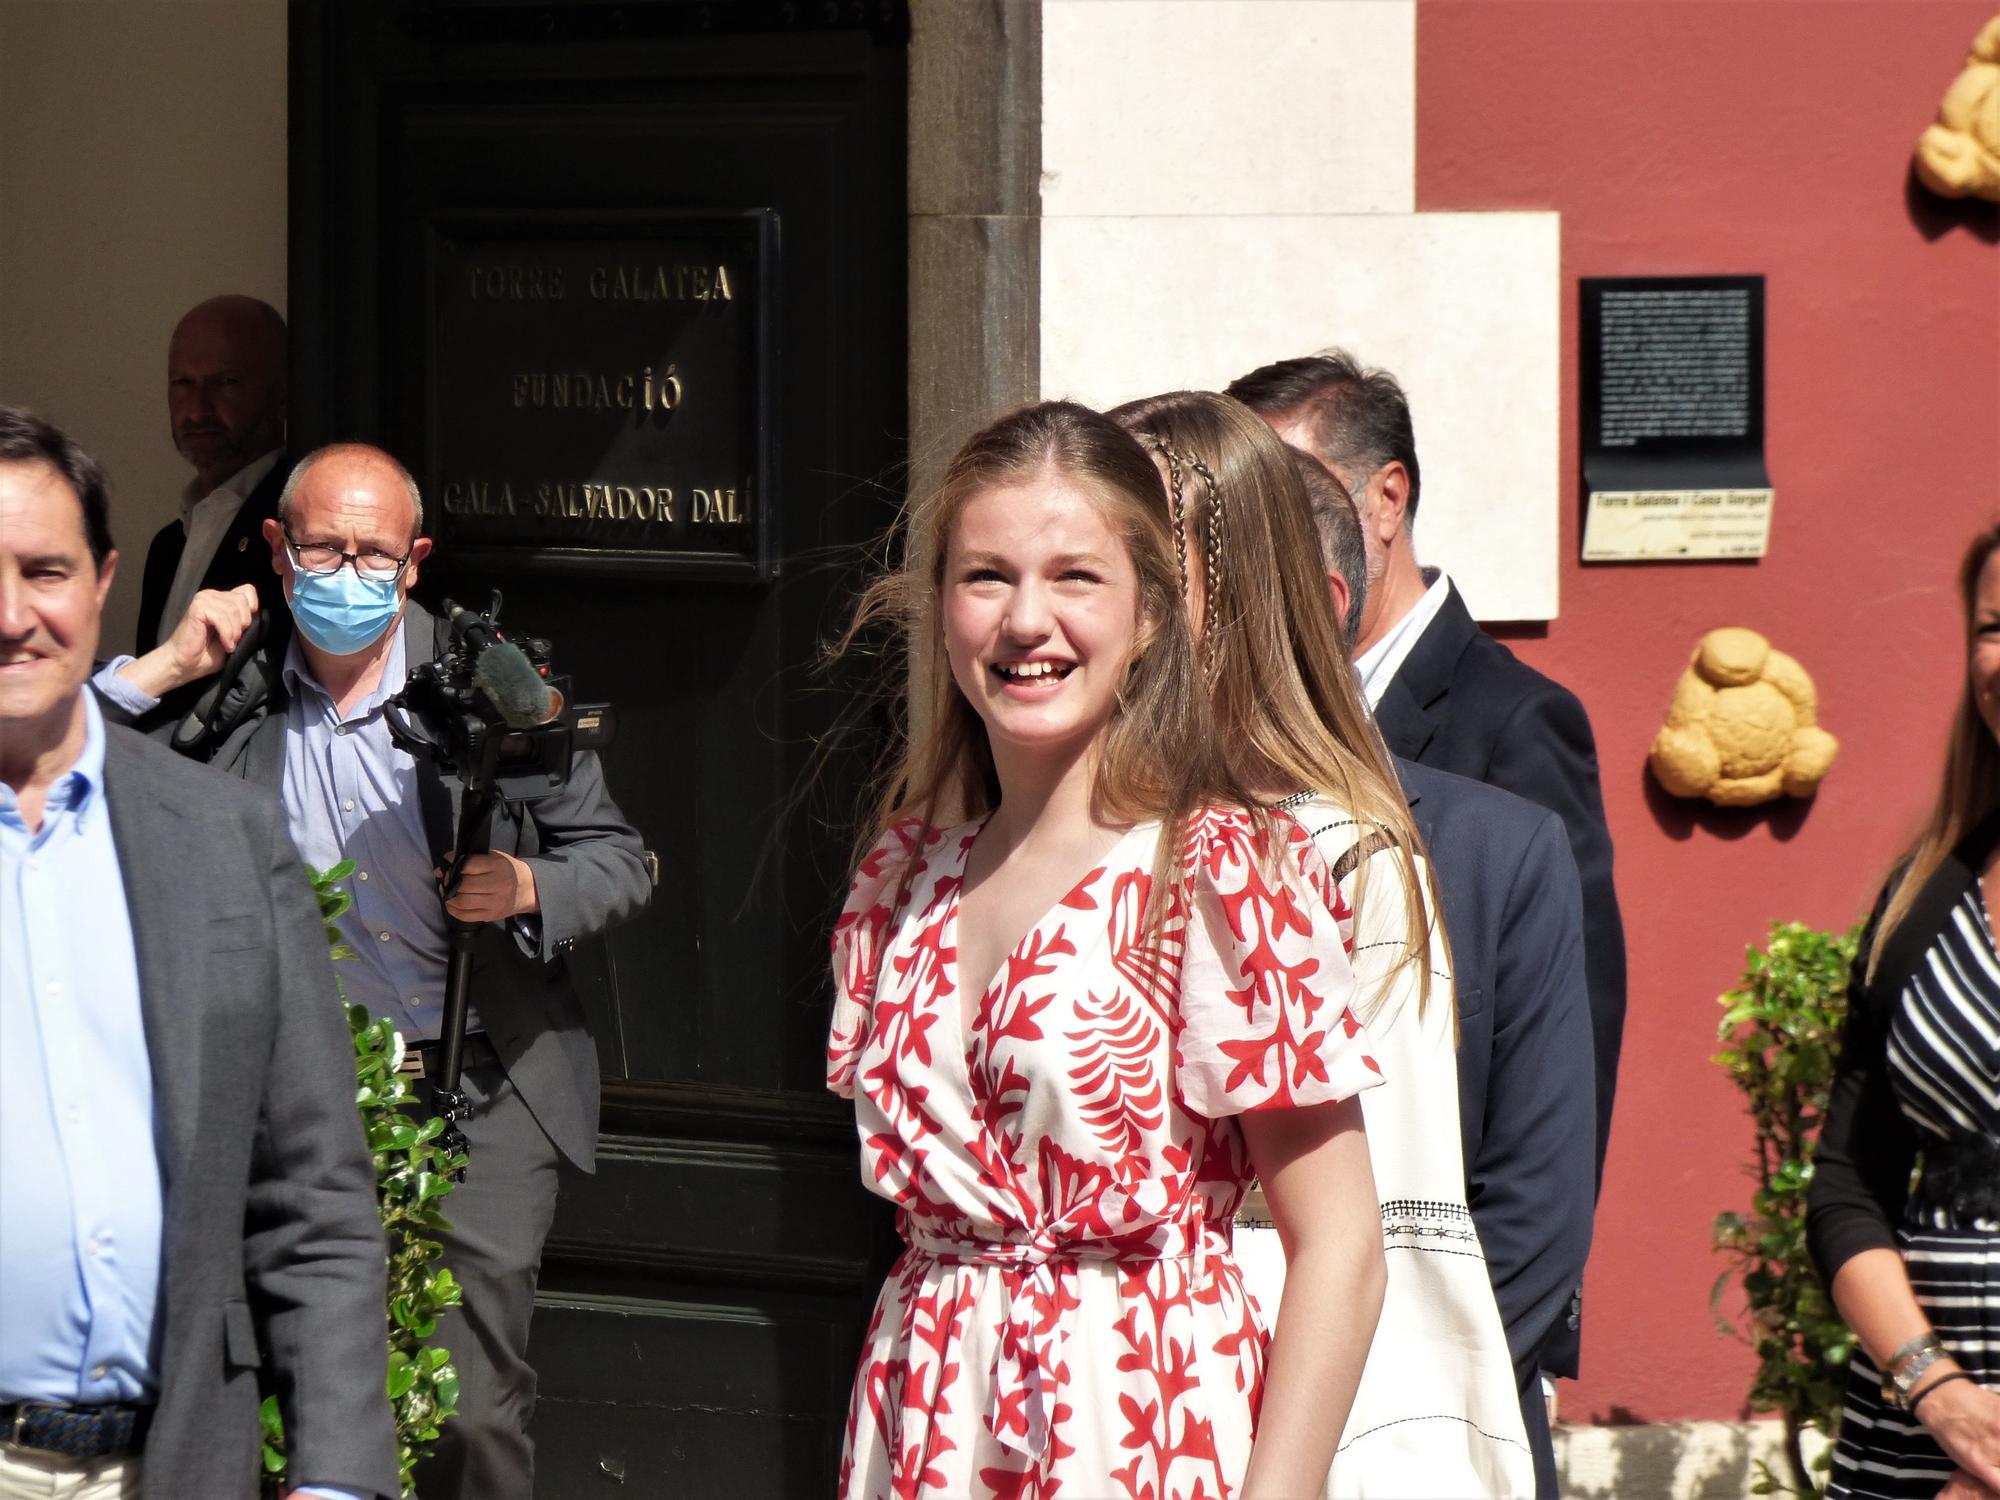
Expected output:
{"points": [[1935, 217], [1679, 817], [1667, 1460]]}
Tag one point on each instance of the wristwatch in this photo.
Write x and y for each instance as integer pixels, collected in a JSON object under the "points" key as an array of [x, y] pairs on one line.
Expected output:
{"points": [[1907, 1366]]}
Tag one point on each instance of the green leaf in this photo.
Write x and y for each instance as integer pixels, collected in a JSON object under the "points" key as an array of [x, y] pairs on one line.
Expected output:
{"points": [[401, 1377]]}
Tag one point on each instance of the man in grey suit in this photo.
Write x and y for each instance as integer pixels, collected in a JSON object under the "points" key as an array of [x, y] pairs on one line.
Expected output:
{"points": [[1513, 911], [188, 1201], [347, 543]]}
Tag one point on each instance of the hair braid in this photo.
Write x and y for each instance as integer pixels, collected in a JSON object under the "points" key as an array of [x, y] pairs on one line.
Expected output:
{"points": [[1215, 576], [1177, 493], [1215, 521]]}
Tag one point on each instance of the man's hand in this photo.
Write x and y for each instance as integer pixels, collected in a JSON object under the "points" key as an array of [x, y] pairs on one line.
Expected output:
{"points": [[201, 643], [493, 887]]}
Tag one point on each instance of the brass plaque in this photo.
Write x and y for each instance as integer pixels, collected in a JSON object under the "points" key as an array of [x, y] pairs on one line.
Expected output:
{"points": [[598, 394]]}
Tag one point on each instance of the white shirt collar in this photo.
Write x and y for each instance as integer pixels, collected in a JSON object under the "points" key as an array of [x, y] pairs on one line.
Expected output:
{"points": [[237, 487], [1379, 664]]}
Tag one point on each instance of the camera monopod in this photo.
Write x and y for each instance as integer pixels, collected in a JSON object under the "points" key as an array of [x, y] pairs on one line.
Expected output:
{"points": [[488, 712], [475, 836]]}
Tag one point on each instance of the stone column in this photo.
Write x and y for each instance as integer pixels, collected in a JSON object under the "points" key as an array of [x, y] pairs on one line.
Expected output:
{"points": [[975, 219]]}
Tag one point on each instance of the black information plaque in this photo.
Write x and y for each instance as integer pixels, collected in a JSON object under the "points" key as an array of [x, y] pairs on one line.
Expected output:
{"points": [[1671, 381], [600, 394]]}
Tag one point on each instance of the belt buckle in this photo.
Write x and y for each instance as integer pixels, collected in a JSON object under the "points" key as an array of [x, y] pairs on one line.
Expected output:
{"points": [[22, 1411], [413, 1065]]}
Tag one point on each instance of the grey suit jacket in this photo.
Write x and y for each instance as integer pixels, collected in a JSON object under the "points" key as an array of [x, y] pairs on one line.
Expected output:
{"points": [[590, 874], [272, 1246]]}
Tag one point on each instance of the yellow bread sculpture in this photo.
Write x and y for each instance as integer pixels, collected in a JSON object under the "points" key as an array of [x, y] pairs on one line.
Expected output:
{"points": [[1959, 157], [1743, 727]]}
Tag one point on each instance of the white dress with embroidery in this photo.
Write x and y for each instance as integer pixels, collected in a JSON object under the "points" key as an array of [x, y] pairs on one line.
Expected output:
{"points": [[1438, 1412]]}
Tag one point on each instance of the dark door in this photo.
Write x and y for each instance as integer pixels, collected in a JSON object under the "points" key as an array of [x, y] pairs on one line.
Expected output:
{"points": [[703, 1296]]}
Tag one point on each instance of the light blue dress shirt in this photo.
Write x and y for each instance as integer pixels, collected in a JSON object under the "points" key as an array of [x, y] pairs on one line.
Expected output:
{"points": [[81, 1202], [80, 1188], [351, 794], [118, 692]]}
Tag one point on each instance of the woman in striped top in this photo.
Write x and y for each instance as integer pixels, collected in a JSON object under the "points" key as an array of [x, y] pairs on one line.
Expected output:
{"points": [[1915, 1268]]}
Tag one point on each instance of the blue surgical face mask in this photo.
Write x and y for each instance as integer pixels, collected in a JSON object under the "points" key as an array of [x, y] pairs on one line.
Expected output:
{"points": [[341, 612]]}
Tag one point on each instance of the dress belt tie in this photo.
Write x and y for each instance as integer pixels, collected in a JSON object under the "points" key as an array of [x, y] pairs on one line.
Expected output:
{"points": [[1028, 1366]]}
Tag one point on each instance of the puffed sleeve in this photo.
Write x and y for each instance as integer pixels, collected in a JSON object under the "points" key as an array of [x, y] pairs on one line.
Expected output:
{"points": [[1266, 987], [858, 939]]}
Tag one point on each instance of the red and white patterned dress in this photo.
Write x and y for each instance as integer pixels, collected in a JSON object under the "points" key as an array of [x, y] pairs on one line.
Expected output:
{"points": [[1067, 1320]]}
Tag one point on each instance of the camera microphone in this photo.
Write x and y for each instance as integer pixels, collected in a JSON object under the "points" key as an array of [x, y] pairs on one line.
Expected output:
{"points": [[488, 710], [512, 685]]}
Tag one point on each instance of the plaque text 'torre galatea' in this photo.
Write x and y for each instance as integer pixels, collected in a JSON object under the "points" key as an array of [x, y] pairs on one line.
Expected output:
{"points": [[534, 281]]}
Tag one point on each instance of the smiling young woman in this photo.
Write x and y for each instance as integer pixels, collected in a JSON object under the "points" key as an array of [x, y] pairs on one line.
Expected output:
{"points": [[1083, 996]]}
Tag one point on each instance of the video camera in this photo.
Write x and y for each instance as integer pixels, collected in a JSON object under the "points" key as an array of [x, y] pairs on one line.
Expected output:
{"points": [[490, 712]]}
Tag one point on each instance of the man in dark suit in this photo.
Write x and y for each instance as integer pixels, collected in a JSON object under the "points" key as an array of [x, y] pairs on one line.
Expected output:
{"points": [[348, 543], [226, 395], [189, 1203], [1445, 694], [1513, 912]]}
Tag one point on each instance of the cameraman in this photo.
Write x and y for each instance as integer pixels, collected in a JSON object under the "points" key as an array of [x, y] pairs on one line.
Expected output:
{"points": [[347, 543]]}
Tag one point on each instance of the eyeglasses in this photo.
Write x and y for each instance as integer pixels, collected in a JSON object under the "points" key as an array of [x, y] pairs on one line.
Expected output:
{"points": [[321, 561]]}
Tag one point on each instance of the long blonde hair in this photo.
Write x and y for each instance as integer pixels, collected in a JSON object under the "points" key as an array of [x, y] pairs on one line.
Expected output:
{"points": [[1287, 713], [1970, 791], [1159, 758]]}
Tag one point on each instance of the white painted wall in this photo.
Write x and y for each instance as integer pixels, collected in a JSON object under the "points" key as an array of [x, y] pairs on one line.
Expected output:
{"points": [[1463, 307], [1182, 245], [143, 169], [1178, 106]]}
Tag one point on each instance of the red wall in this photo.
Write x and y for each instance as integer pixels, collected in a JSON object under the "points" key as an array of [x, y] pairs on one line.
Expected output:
{"points": [[1685, 137]]}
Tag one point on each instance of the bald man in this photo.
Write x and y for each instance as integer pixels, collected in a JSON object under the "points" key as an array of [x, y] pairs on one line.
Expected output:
{"points": [[347, 545], [226, 387]]}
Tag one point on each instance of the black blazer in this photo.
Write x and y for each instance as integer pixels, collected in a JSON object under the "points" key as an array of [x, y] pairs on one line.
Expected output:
{"points": [[1513, 911], [243, 556], [272, 1246], [1867, 1145], [1464, 703]]}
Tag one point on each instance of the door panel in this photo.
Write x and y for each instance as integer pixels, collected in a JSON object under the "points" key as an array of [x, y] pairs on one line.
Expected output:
{"points": [[703, 1296]]}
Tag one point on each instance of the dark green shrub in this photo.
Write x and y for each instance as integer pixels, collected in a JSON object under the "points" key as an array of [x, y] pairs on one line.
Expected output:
{"points": [[1781, 1032], [412, 1175]]}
